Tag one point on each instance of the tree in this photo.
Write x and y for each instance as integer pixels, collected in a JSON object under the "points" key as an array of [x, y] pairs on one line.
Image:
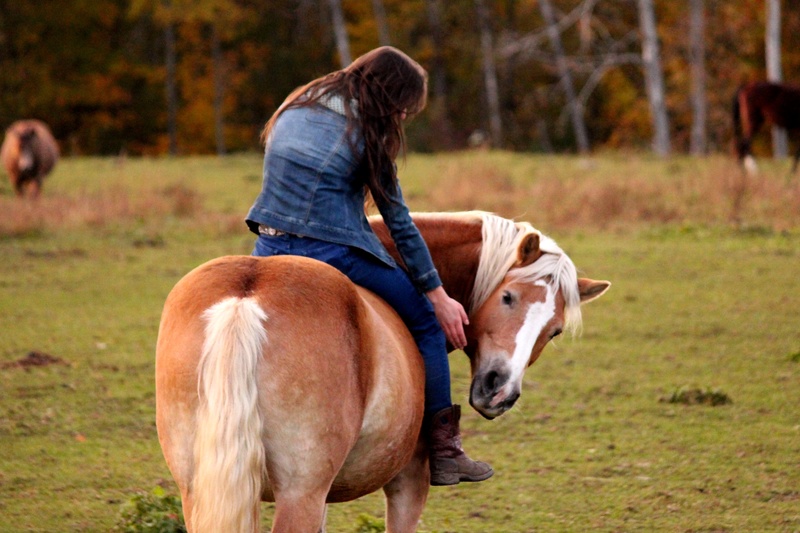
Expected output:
{"points": [[170, 83], [774, 71], [654, 78], [565, 76], [219, 89], [340, 32], [380, 21], [438, 105], [697, 52], [490, 74]]}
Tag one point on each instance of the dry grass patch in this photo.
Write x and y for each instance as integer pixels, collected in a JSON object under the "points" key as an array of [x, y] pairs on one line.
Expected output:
{"points": [[113, 205], [637, 192]]}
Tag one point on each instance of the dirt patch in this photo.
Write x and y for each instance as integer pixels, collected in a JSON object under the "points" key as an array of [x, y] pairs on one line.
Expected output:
{"points": [[35, 358]]}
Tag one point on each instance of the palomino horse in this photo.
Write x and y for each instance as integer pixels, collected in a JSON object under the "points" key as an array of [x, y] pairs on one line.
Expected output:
{"points": [[760, 102], [277, 379], [29, 153]]}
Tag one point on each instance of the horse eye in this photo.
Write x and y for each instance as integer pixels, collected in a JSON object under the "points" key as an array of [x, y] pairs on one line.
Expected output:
{"points": [[556, 333], [507, 298]]}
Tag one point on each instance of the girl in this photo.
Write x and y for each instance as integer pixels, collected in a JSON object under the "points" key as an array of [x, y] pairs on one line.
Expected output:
{"points": [[329, 145]]}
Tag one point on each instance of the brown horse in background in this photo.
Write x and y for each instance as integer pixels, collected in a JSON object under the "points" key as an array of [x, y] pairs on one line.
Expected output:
{"points": [[278, 379], [29, 153], [760, 102]]}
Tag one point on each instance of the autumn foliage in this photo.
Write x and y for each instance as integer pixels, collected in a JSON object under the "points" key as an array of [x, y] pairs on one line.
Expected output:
{"points": [[97, 71]]}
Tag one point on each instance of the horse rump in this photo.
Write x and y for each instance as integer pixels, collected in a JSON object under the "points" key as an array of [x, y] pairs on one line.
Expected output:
{"points": [[755, 104]]}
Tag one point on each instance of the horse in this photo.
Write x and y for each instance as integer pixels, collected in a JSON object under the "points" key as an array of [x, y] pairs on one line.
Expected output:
{"points": [[760, 102], [29, 153], [278, 379]]}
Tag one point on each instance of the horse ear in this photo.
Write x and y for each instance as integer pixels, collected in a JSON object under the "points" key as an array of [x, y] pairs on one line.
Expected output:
{"points": [[528, 250], [591, 289]]}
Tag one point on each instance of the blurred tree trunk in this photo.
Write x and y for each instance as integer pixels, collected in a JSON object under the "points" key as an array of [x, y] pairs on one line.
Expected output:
{"points": [[697, 23], [170, 83], [490, 75], [380, 22], [340, 31], [438, 111], [654, 77], [774, 71], [219, 90], [565, 77]]}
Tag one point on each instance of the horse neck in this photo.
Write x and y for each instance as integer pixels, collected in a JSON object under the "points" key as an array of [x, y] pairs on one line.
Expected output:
{"points": [[455, 246]]}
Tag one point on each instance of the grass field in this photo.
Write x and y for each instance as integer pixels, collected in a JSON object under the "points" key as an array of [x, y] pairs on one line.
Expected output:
{"points": [[615, 430]]}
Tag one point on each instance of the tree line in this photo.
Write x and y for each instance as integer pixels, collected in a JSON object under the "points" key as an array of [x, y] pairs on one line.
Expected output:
{"points": [[202, 76]]}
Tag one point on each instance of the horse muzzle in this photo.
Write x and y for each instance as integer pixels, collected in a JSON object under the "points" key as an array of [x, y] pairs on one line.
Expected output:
{"points": [[492, 394]]}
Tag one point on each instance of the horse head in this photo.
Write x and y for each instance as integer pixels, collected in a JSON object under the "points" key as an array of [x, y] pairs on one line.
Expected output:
{"points": [[537, 299]]}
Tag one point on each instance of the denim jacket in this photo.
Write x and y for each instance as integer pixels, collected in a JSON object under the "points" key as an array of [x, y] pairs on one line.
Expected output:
{"points": [[310, 188]]}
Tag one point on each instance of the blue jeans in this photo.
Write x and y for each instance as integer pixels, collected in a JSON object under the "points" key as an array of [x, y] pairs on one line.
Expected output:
{"points": [[394, 286]]}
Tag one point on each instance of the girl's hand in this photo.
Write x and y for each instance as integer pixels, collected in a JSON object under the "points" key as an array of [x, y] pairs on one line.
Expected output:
{"points": [[451, 316]]}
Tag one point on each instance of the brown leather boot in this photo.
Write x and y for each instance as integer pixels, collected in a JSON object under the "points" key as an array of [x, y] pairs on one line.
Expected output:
{"points": [[449, 464]]}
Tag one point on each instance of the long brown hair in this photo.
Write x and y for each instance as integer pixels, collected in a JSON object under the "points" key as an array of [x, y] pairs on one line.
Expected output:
{"points": [[385, 83]]}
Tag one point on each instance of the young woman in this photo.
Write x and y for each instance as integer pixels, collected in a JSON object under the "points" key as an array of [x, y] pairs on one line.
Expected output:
{"points": [[329, 145]]}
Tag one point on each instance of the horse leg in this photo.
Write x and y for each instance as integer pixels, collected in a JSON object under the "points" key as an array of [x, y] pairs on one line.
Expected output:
{"points": [[752, 119], [302, 513], [407, 493], [186, 504], [19, 186], [36, 188], [324, 520]]}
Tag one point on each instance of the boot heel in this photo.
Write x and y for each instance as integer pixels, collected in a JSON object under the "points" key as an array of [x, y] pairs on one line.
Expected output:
{"points": [[441, 480]]}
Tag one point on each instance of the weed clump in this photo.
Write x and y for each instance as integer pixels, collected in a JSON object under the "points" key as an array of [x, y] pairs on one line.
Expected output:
{"points": [[688, 396], [154, 512], [368, 524]]}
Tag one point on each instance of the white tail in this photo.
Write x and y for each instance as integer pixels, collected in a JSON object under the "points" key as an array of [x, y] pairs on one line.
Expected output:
{"points": [[228, 451]]}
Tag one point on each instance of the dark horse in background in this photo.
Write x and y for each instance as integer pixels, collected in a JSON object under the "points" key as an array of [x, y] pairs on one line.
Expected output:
{"points": [[760, 102], [29, 153]]}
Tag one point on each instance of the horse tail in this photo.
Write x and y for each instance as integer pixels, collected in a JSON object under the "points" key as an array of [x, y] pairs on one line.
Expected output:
{"points": [[228, 449]]}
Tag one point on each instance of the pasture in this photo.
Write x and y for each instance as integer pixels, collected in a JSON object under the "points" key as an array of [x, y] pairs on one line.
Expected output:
{"points": [[676, 410]]}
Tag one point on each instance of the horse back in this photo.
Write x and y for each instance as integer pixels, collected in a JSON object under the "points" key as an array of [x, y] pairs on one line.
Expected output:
{"points": [[777, 102]]}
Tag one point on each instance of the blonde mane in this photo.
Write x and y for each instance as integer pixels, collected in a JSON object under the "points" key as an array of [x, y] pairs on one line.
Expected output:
{"points": [[501, 240]]}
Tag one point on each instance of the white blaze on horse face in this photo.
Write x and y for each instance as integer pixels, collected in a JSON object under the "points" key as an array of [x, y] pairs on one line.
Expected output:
{"points": [[536, 318]]}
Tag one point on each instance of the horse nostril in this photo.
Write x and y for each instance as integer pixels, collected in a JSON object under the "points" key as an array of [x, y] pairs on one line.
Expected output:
{"points": [[490, 381]]}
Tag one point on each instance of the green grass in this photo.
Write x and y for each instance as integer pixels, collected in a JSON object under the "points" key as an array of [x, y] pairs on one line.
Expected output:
{"points": [[702, 302]]}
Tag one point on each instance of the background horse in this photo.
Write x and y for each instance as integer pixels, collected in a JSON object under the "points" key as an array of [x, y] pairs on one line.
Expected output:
{"points": [[29, 153], [278, 379], [760, 102]]}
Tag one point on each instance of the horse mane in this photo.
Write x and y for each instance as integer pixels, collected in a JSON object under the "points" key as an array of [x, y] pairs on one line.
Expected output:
{"points": [[501, 240]]}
